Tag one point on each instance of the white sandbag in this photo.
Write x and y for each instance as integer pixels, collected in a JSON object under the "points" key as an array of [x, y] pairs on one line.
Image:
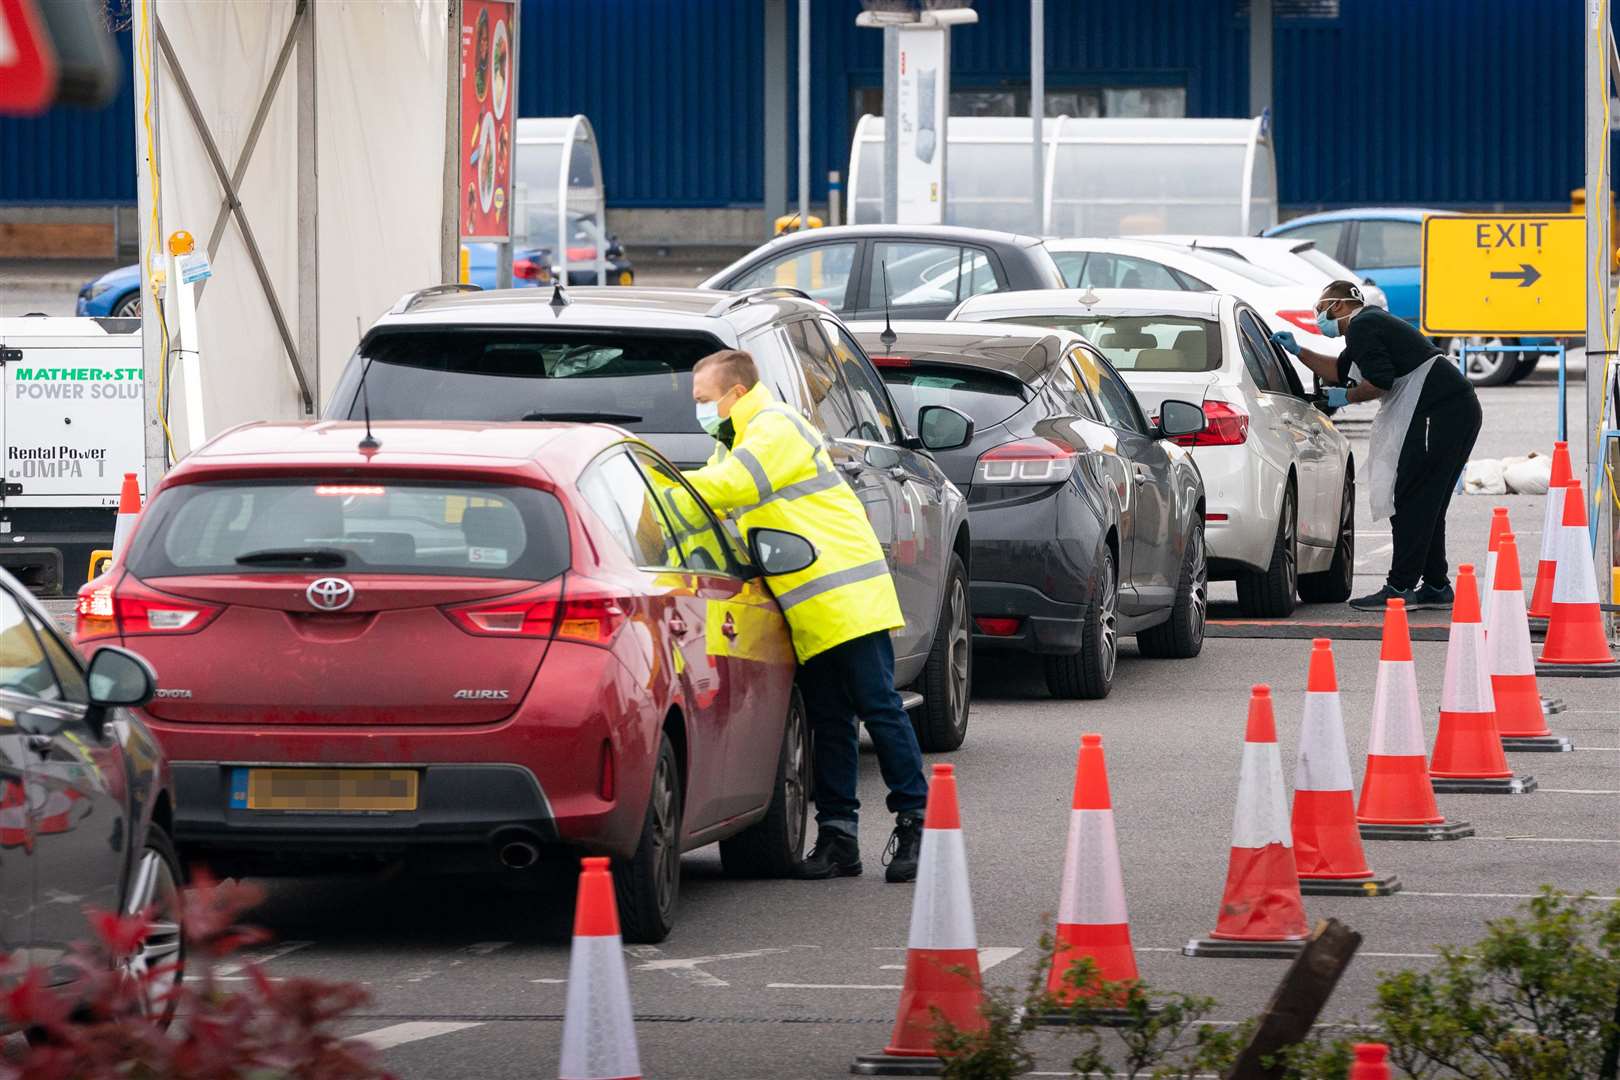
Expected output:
{"points": [[1484, 477], [1528, 476]]}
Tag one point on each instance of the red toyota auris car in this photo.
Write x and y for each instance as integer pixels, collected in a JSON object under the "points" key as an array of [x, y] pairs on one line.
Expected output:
{"points": [[470, 646]]}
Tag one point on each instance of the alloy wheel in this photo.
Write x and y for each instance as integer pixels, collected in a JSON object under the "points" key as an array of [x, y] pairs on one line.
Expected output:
{"points": [[959, 653], [154, 966], [1107, 613], [796, 784], [666, 845], [128, 309], [1199, 588], [1290, 539]]}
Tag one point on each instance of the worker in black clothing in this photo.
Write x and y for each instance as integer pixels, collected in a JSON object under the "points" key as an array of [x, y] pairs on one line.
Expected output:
{"points": [[1428, 419]]}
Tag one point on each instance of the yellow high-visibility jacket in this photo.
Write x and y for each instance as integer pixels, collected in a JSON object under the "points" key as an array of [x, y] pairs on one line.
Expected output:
{"points": [[778, 475]]}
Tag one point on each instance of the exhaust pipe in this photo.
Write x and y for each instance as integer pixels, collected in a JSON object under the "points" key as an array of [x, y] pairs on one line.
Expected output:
{"points": [[517, 850]]}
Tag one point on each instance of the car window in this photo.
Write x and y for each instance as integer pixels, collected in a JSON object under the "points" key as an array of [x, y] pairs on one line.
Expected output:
{"points": [[1272, 377], [1190, 283], [23, 666], [1068, 386], [1243, 268], [703, 545], [1106, 271], [1070, 264], [69, 675], [1183, 343], [989, 397], [1114, 398], [872, 411], [1327, 234], [822, 271], [614, 488], [829, 399], [1386, 244], [927, 274]]}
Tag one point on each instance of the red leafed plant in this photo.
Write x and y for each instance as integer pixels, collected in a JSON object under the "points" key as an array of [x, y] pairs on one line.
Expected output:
{"points": [[101, 1026]]}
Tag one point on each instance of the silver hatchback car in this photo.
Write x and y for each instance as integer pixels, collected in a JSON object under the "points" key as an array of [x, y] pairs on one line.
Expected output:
{"points": [[624, 356]]}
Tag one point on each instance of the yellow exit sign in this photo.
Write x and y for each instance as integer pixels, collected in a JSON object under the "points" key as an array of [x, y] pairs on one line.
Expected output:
{"points": [[1518, 275]]}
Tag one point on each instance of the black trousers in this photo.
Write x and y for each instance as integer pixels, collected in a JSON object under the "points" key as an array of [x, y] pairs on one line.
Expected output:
{"points": [[1432, 458]]}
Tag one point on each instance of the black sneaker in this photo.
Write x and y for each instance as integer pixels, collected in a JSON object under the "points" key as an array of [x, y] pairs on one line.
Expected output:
{"points": [[836, 854], [1427, 596], [1376, 601], [905, 846]]}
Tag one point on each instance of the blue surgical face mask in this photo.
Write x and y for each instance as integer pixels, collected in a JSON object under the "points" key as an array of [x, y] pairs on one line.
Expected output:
{"points": [[708, 417], [1329, 327]]}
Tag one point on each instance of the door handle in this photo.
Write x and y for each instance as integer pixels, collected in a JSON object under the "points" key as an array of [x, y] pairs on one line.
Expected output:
{"points": [[898, 472], [677, 626], [40, 744], [729, 628], [849, 466], [1142, 472]]}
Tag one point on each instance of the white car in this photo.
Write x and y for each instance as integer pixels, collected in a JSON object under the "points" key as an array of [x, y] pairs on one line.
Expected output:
{"points": [[1133, 263], [1279, 478], [1295, 258]]}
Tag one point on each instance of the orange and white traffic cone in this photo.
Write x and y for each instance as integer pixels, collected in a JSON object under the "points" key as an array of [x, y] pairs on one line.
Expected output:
{"points": [[1468, 758], [942, 955], [1521, 720], [1551, 520], [129, 508], [1327, 845], [1499, 528], [599, 1030], [1092, 923], [1397, 800], [1261, 912], [1575, 642]]}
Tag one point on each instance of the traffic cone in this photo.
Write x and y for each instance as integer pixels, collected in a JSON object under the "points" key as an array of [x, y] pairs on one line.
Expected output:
{"points": [[1575, 642], [1468, 758], [1091, 922], [1552, 518], [1261, 912], [129, 508], [1499, 528], [1397, 800], [1327, 847], [942, 955], [1372, 1062], [599, 1030], [1521, 719]]}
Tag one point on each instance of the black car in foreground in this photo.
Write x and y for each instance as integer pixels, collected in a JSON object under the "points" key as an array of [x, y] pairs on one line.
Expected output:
{"points": [[926, 270], [1086, 522]]}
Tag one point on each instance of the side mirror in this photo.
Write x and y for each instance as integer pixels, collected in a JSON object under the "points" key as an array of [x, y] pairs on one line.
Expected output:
{"points": [[614, 248], [777, 551], [940, 427], [119, 677], [1368, 281], [1179, 418]]}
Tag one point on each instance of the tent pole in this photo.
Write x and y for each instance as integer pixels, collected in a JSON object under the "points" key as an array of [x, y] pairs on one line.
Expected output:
{"points": [[309, 204]]}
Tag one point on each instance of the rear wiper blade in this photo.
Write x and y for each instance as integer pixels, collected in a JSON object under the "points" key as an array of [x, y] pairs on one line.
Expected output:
{"points": [[586, 417], [310, 556]]}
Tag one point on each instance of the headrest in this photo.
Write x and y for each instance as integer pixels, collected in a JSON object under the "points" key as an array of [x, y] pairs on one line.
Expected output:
{"points": [[1195, 343], [1127, 339], [1161, 360]]}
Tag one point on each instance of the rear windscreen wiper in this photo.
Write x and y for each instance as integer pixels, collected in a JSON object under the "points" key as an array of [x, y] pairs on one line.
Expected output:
{"points": [[586, 417], [310, 556]]}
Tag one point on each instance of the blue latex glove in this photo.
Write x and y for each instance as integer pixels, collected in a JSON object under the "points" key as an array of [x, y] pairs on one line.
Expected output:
{"points": [[1286, 340], [1337, 396]]}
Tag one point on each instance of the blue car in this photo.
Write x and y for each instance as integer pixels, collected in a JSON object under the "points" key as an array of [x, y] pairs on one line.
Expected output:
{"points": [[1384, 245], [115, 295]]}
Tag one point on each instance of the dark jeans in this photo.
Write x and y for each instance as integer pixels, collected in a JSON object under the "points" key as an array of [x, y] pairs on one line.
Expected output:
{"points": [[1432, 458], [850, 682]]}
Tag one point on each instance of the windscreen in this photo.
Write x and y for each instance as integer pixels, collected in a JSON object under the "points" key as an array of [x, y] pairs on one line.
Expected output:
{"points": [[640, 381], [986, 396], [1183, 343], [304, 526], [1257, 274], [1326, 263]]}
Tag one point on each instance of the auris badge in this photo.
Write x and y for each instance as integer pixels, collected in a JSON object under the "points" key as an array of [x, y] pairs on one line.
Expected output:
{"points": [[329, 594]]}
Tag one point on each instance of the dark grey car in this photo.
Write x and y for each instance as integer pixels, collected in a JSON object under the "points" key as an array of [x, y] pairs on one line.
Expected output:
{"points": [[930, 268], [85, 797]]}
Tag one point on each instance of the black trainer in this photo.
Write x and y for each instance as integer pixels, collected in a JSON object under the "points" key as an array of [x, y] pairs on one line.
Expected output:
{"points": [[1376, 601], [836, 854], [905, 846], [1427, 596]]}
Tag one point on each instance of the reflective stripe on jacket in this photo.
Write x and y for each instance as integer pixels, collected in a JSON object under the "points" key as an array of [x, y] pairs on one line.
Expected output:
{"points": [[778, 475]]}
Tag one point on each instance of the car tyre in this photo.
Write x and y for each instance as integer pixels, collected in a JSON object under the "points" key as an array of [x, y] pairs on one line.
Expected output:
{"points": [[1484, 368], [160, 960], [1334, 585], [947, 679], [128, 307], [1527, 366], [1089, 673], [648, 883], [1181, 637], [1270, 593], [774, 845]]}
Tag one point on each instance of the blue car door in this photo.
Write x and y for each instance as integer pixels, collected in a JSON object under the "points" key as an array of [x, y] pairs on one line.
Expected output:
{"points": [[1389, 251]]}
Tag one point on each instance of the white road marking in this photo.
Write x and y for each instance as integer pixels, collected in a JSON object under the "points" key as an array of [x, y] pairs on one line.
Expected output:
{"points": [[1555, 839], [688, 969], [286, 948], [1482, 895], [989, 957], [1577, 791], [831, 986], [415, 1031], [551, 982]]}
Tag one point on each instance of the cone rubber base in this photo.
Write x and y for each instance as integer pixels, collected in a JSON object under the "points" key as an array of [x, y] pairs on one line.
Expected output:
{"points": [[1250, 950], [1551, 706], [1483, 785], [1537, 744], [1538, 629], [1093, 1017], [1367, 886], [895, 1065], [1607, 669], [1445, 830]]}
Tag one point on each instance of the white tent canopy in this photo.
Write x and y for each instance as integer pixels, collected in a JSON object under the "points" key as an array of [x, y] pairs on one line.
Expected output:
{"points": [[1104, 177], [557, 190]]}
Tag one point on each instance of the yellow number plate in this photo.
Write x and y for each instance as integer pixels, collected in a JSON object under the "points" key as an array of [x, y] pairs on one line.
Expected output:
{"points": [[331, 790]]}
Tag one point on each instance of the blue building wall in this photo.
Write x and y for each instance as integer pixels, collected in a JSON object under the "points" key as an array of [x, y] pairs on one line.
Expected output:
{"points": [[1467, 102]]}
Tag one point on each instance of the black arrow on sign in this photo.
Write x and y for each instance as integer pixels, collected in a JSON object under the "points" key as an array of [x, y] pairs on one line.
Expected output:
{"points": [[1526, 277]]}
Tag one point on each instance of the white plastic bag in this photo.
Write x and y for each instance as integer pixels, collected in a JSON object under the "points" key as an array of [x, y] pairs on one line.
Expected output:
{"points": [[1527, 476], [1484, 477]]}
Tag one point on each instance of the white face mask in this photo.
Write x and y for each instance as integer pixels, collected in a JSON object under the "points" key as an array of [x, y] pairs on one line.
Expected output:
{"points": [[1329, 327], [708, 417]]}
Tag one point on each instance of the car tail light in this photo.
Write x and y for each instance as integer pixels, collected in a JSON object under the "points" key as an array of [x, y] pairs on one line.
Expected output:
{"points": [[1225, 424], [996, 626], [105, 611], [891, 361], [1305, 320], [1028, 461], [578, 611], [1215, 517], [529, 270]]}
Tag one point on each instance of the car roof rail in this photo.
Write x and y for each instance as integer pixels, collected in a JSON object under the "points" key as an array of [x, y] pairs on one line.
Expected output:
{"points": [[748, 296], [409, 300]]}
